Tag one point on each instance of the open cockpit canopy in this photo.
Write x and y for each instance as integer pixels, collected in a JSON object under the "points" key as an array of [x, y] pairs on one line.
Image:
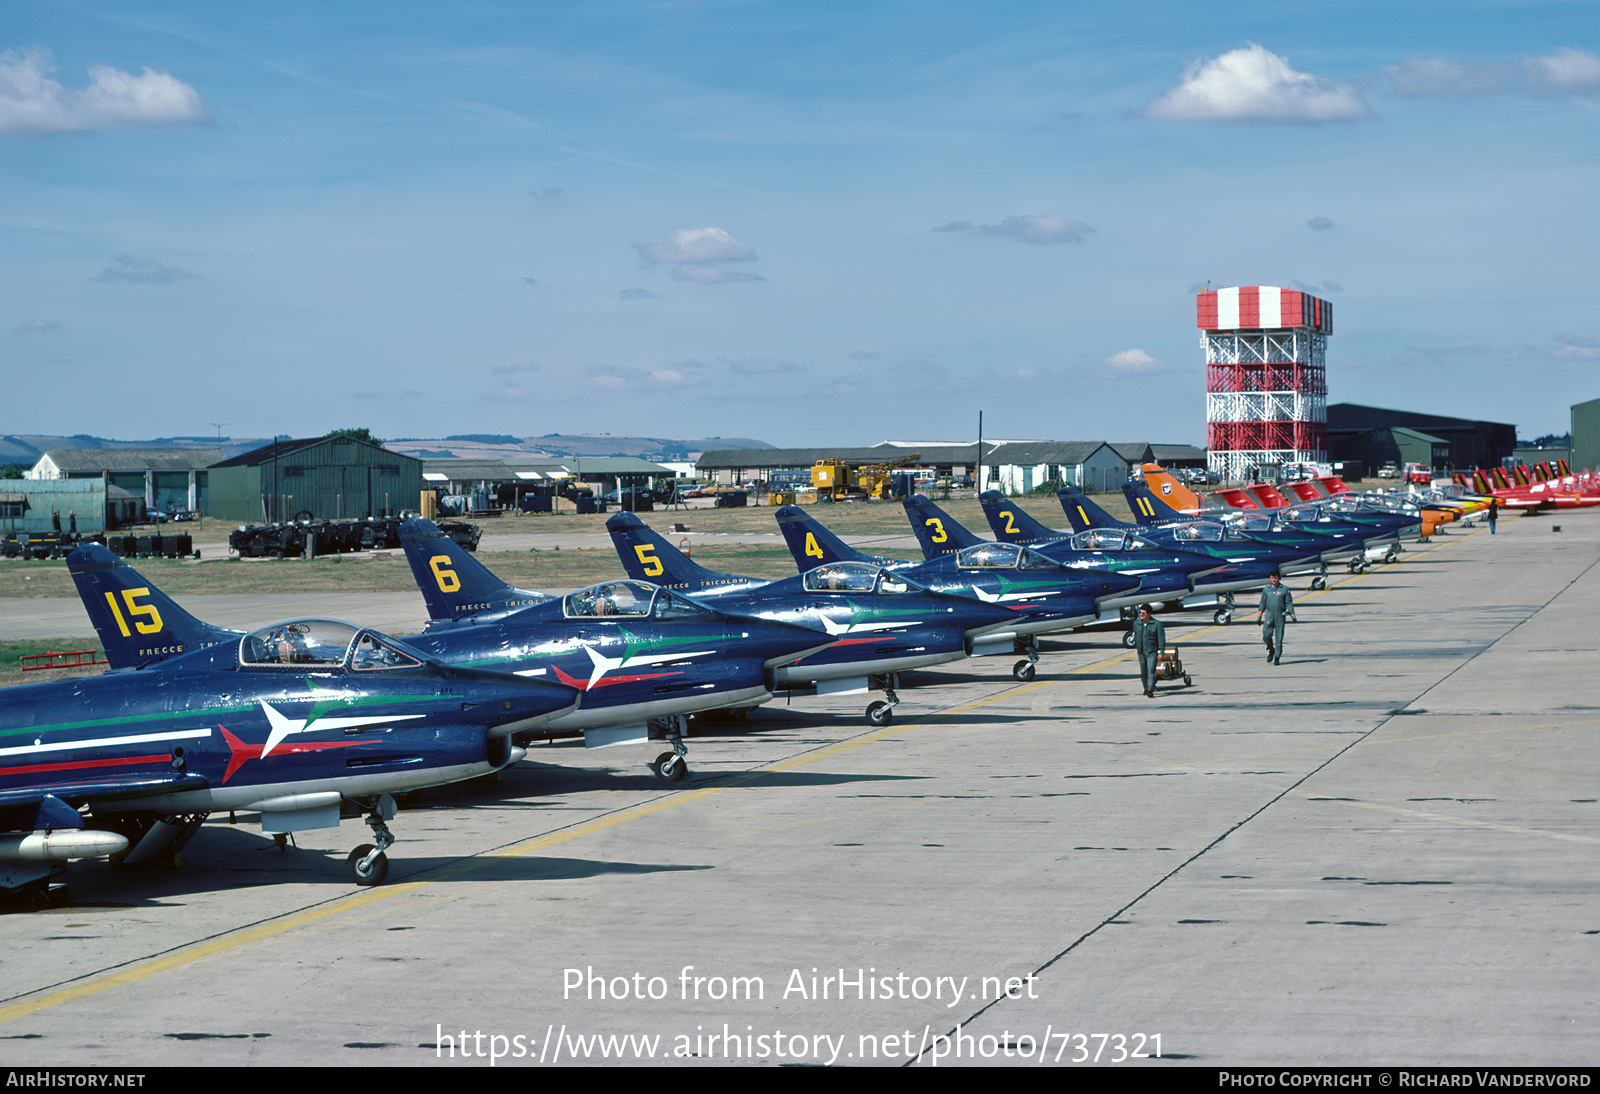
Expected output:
{"points": [[325, 644]]}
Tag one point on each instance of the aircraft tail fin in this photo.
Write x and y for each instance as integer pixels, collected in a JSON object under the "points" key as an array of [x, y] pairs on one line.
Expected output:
{"points": [[938, 533], [1179, 496], [813, 545], [1148, 507], [1268, 496], [454, 584], [1237, 499], [1011, 524], [1306, 492], [647, 556], [1082, 512], [136, 622]]}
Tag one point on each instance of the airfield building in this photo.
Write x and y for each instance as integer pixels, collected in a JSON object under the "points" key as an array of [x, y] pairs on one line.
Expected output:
{"points": [[329, 477]]}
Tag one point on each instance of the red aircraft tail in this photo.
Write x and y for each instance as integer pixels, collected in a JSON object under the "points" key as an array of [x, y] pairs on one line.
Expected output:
{"points": [[1267, 496]]}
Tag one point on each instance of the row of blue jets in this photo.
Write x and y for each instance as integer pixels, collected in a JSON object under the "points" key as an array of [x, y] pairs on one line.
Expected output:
{"points": [[307, 720]]}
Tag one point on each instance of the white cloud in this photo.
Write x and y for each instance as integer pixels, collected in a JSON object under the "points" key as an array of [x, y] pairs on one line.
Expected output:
{"points": [[508, 370], [675, 377], [1567, 71], [1437, 76], [1319, 224], [1254, 84], [1573, 347], [1133, 362], [712, 274], [638, 294], [39, 326], [32, 102], [699, 254], [146, 271], [695, 245], [1040, 229]]}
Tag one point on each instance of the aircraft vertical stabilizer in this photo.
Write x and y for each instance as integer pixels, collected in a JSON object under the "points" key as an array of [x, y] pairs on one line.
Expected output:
{"points": [[136, 622], [1011, 525], [937, 532], [1149, 508], [1179, 496], [648, 556], [454, 584], [813, 545], [1082, 512]]}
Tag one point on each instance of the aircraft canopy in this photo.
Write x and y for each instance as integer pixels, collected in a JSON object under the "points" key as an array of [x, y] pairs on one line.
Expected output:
{"points": [[324, 644]]}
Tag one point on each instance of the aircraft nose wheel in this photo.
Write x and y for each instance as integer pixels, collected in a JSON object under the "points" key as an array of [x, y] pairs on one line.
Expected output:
{"points": [[1023, 671], [882, 713], [1127, 639], [673, 767], [1221, 617], [1318, 584], [669, 767], [368, 866]]}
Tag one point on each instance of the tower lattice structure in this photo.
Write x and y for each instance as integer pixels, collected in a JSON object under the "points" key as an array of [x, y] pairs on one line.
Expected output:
{"points": [[1266, 383]]}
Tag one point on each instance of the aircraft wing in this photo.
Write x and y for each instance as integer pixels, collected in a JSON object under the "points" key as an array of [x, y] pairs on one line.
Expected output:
{"points": [[70, 786]]}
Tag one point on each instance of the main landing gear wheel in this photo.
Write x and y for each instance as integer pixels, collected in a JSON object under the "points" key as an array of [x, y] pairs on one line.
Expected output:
{"points": [[670, 768], [1023, 671], [368, 866], [1127, 639], [880, 713], [1186, 681], [1221, 617]]}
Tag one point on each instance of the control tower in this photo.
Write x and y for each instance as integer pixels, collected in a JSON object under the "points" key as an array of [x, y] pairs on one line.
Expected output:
{"points": [[1266, 388]]}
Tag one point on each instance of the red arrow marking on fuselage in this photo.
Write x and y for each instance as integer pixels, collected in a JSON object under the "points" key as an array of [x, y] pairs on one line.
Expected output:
{"points": [[606, 681], [239, 752]]}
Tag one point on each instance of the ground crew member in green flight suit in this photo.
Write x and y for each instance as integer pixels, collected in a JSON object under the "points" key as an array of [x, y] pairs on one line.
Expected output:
{"points": [[1277, 607], [1149, 639]]}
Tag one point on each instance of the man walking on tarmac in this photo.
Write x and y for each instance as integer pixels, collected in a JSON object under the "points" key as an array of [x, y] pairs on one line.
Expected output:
{"points": [[1493, 514], [1277, 607], [1149, 639]]}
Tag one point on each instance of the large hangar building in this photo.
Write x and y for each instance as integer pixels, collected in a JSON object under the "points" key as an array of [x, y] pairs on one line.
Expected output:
{"points": [[1375, 435], [331, 477]]}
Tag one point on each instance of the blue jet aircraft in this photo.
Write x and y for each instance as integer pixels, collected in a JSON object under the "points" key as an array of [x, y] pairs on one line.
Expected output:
{"points": [[292, 721], [884, 622]]}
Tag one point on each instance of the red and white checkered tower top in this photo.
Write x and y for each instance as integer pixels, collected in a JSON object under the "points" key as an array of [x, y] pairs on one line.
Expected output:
{"points": [[1266, 387]]}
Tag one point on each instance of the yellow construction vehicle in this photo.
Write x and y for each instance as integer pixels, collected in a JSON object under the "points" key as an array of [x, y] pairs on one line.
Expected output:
{"points": [[833, 479]]}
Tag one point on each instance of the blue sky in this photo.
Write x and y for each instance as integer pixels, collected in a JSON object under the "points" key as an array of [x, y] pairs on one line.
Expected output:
{"points": [[810, 223]]}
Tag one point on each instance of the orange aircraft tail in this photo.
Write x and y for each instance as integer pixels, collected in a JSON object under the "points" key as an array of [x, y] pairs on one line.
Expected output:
{"points": [[1177, 495]]}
